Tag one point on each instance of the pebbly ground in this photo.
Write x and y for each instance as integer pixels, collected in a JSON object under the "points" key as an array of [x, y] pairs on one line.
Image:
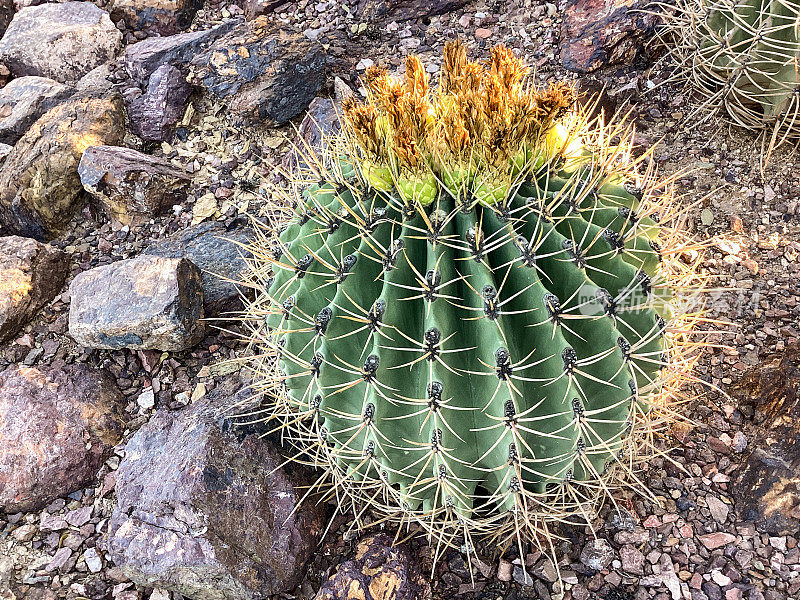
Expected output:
{"points": [[689, 544]]}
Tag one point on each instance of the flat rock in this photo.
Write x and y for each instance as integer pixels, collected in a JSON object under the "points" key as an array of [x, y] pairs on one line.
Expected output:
{"points": [[147, 303], [712, 541], [217, 252], [162, 17], [599, 33], [39, 181], [208, 515], [153, 115], [61, 41], [260, 72], [57, 426], [766, 488], [144, 57], [130, 186], [256, 8], [25, 99], [380, 570], [32, 274]]}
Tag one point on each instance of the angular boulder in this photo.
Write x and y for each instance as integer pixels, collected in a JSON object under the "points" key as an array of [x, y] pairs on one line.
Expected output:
{"points": [[766, 487], [260, 72], [320, 123], [208, 515], [380, 570], [144, 57], [406, 10], [31, 274], [39, 181], [256, 8], [62, 41], [24, 100], [130, 186], [146, 303], [162, 17], [57, 426], [217, 252], [153, 115], [599, 33]]}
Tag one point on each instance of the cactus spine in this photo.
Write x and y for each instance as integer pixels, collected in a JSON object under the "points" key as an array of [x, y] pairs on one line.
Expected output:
{"points": [[467, 322]]}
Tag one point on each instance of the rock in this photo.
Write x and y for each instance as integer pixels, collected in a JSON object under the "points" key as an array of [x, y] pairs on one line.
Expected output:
{"points": [[24, 100], [98, 80], [719, 510], [153, 115], [39, 181], [5, 150], [261, 72], [406, 10], [598, 33], [380, 570], [144, 57], [131, 187], [712, 541], [320, 123], [632, 560], [216, 251], [57, 426], [62, 41], [147, 303], [207, 515], [256, 8], [32, 274], [162, 17], [766, 488], [597, 554]]}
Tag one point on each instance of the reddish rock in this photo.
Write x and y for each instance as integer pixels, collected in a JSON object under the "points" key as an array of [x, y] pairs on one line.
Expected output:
{"points": [[57, 426], [257, 8], [598, 33], [208, 515], [260, 72], [130, 186], [31, 274], [766, 488], [380, 570], [153, 115], [712, 541], [39, 181], [162, 17]]}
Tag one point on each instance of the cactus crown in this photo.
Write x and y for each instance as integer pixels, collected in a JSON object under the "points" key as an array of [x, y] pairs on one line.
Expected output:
{"points": [[469, 321], [743, 57]]}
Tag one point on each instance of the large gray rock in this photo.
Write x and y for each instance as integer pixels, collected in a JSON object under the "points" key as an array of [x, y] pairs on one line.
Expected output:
{"points": [[31, 274], [405, 10], [766, 487], [130, 186], [153, 115], [217, 251], [57, 426], [147, 302], [61, 41], [144, 57], [24, 100], [208, 515], [260, 72], [39, 181], [162, 17]]}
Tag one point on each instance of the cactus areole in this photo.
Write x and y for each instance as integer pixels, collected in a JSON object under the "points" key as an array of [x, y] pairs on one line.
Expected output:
{"points": [[466, 321]]}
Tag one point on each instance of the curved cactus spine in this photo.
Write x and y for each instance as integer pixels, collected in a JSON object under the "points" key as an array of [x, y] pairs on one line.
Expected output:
{"points": [[465, 330]]}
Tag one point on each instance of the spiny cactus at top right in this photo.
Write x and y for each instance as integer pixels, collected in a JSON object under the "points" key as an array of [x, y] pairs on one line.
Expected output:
{"points": [[743, 56]]}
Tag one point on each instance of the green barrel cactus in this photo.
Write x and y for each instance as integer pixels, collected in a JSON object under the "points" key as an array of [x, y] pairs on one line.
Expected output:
{"points": [[743, 57], [466, 321]]}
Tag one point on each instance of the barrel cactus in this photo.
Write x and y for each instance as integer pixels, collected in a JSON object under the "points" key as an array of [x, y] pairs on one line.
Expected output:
{"points": [[469, 320], [743, 57]]}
